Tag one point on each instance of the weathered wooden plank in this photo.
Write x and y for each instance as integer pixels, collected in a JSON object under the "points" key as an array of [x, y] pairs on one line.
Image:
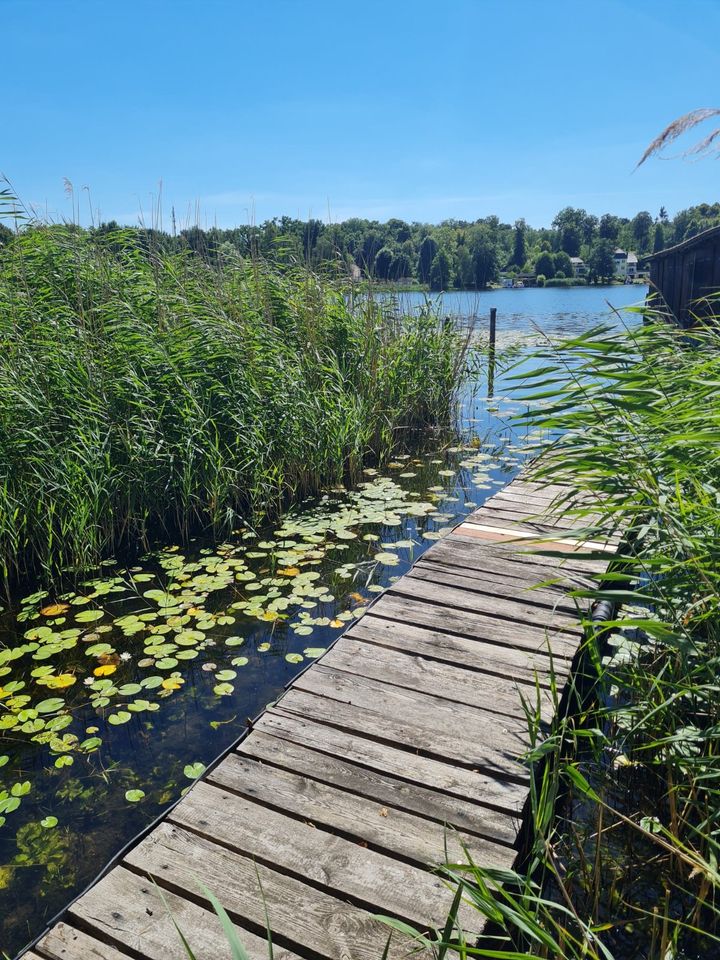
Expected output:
{"points": [[403, 702], [432, 788], [498, 822], [504, 608], [548, 533], [524, 553], [547, 597], [497, 753], [486, 564], [342, 867], [519, 666], [298, 914], [384, 828], [533, 515], [468, 624], [453, 683], [64, 942], [127, 909]]}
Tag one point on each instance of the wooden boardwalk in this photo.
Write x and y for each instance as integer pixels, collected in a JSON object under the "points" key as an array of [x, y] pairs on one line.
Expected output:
{"points": [[338, 800]]}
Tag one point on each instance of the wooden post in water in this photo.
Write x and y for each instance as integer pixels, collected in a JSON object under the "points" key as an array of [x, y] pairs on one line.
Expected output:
{"points": [[491, 351]]}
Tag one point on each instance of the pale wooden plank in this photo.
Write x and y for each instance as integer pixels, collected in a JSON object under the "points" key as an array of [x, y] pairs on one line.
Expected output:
{"points": [[549, 597], [498, 822], [520, 666], [481, 626], [478, 555], [326, 927], [495, 751], [64, 942], [385, 828], [432, 788], [544, 517], [344, 868], [546, 532], [522, 554], [480, 722], [453, 683], [516, 611], [128, 909]]}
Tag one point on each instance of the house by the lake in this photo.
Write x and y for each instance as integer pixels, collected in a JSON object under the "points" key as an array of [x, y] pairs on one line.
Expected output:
{"points": [[579, 267], [685, 279]]}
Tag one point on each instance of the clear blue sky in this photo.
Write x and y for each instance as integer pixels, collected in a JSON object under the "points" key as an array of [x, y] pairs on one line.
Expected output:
{"points": [[420, 109]]}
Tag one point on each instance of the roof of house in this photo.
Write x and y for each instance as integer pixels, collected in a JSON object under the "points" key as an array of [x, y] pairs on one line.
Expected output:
{"points": [[620, 253], [686, 244], [632, 257], [576, 260]]}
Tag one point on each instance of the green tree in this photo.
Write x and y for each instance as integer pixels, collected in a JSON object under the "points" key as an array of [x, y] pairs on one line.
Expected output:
{"points": [[659, 238], [519, 255], [383, 263], [545, 264], [440, 271], [426, 255], [609, 227], [563, 264], [601, 263], [484, 261], [641, 224]]}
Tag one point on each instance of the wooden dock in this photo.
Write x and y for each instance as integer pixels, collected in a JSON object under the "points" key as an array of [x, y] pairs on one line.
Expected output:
{"points": [[337, 802]]}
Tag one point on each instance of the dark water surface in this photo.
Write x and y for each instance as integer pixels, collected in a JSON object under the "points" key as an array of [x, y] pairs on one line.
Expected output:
{"points": [[113, 696]]}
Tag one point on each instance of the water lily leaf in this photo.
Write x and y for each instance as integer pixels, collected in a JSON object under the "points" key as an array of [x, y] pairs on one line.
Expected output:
{"points": [[4, 759], [49, 822], [313, 652], [129, 689], [194, 770], [51, 705], [64, 761], [134, 796], [61, 681], [186, 654], [9, 804], [150, 683], [223, 689], [302, 630], [239, 661], [294, 657], [387, 559], [432, 535], [224, 675], [122, 716], [166, 663], [172, 683], [105, 670], [234, 641], [89, 616], [55, 609]]}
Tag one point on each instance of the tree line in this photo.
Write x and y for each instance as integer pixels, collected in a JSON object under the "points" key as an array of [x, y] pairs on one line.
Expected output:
{"points": [[457, 254]]}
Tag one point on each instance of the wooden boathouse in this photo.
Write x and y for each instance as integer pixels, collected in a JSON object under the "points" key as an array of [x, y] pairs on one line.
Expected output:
{"points": [[686, 277]]}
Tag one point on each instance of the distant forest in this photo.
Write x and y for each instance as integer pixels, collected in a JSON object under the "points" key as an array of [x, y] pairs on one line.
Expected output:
{"points": [[455, 253]]}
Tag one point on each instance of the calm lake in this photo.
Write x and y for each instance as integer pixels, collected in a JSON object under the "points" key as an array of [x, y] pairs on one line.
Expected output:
{"points": [[117, 693]]}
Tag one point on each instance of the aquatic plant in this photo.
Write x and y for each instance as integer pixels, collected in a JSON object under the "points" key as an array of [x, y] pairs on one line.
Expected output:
{"points": [[145, 394]]}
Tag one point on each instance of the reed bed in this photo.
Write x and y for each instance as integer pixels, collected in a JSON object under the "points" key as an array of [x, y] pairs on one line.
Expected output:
{"points": [[144, 394]]}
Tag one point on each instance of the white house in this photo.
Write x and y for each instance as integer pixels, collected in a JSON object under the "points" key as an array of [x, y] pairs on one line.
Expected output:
{"points": [[578, 265], [620, 257]]}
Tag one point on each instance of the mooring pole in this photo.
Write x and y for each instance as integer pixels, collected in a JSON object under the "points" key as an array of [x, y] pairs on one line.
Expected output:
{"points": [[491, 351]]}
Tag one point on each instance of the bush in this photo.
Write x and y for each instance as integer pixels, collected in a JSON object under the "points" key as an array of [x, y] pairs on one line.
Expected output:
{"points": [[540, 280], [566, 282]]}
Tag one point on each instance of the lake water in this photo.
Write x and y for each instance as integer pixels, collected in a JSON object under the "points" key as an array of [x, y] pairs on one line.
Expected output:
{"points": [[556, 311], [115, 694]]}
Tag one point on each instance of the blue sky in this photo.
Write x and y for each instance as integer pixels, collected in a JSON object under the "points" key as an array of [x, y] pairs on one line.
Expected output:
{"points": [[420, 109]]}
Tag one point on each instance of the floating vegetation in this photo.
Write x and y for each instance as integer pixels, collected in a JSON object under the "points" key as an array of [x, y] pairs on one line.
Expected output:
{"points": [[106, 688]]}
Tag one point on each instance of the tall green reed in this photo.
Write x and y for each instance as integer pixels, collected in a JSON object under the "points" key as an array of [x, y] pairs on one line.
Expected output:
{"points": [[145, 394]]}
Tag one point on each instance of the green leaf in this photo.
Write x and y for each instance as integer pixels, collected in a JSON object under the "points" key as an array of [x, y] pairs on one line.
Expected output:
{"points": [[194, 770], [134, 796]]}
